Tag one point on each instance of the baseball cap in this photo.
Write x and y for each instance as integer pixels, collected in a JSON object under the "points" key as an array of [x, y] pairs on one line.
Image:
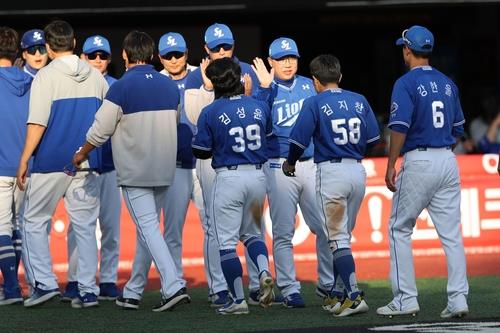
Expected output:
{"points": [[96, 43], [417, 38], [282, 47], [171, 42], [218, 34], [32, 37]]}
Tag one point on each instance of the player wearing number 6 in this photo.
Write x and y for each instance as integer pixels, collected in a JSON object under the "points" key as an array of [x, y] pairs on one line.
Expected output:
{"points": [[341, 124], [234, 129], [425, 120]]}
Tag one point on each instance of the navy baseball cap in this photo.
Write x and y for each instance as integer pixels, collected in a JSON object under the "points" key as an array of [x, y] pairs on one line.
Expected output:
{"points": [[171, 42], [32, 38], [283, 47], [417, 38], [218, 34], [96, 43]]}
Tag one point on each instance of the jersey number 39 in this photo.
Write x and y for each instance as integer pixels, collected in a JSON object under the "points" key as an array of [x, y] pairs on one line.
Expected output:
{"points": [[350, 133], [248, 137]]}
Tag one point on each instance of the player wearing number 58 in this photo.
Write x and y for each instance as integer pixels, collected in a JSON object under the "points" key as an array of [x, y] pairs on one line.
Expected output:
{"points": [[425, 120]]}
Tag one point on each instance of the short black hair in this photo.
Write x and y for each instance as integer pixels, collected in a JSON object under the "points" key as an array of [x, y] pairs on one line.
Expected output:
{"points": [[139, 47], [8, 43], [60, 36], [326, 69], [225, 75]]}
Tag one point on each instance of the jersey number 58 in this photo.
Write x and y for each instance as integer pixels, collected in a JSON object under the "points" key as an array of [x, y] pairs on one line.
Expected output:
{"points": [[350, 134]]}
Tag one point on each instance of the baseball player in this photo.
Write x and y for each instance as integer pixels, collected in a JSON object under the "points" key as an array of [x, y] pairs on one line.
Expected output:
{"points": [[341, 124], [64, 98], [34, 52], [285, 91], [14, 104], [233, 129], [425, 119], [140, 114], [219, 43], [97, 52]]}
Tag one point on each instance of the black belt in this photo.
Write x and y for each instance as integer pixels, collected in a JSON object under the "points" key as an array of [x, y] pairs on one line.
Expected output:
{"points": [[235, 167], [304, 159], [339, 160]]}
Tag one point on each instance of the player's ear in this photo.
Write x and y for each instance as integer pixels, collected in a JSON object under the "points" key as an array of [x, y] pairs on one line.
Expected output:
{"points": [[207, 49], [82, 56], [270, 61]]}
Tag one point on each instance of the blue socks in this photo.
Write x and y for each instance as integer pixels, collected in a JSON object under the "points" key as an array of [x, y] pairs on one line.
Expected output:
{"points": [[17, 242], [257, 251], [344, 265], [8, 265], [233, 272]]}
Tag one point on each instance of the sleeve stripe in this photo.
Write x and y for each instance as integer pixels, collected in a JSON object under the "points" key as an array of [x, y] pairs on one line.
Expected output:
{"points": [[297, 143], [459, 123], [398, 123], [373, 139], [201, 148]]}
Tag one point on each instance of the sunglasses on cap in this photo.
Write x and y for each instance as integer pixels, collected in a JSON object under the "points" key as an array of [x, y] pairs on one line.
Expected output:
{"points": [[40, 48], [102, 56], [174, 54], [225, 47]]}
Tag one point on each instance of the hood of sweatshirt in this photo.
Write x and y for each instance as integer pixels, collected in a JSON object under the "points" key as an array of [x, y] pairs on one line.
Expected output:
{"points": [[16, 80], [73, 67]]}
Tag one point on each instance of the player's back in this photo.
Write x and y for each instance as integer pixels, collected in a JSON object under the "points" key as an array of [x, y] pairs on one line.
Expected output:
{"points": [[239, 126], [427, 102]]}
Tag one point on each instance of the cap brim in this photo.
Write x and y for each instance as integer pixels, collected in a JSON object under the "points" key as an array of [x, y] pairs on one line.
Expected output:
{"points": [[284, 54], [220, 41], [173, 49], [96, 49], [400, 41]]}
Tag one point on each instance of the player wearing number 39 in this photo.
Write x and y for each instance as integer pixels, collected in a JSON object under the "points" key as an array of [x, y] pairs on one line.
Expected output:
{"points": [[234, 129], [425, 119], [341, 124]]}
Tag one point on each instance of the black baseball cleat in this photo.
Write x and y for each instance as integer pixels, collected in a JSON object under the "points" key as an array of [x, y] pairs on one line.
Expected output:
{"points": [[127, 303], [170, 303]]}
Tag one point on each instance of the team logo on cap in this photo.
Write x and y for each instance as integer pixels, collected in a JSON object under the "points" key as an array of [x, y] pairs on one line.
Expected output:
{"points": [[98, 41], [218, 32], [171, 41], [37, 35], [285, 45]]}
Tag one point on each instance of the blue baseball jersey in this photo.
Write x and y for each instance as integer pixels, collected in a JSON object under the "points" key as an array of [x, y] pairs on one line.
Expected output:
{"points": [[107, 154], [235, 131], [426, 106], [195, 80], [14, 104], [340, 122], [185, 130], [286, 104]]}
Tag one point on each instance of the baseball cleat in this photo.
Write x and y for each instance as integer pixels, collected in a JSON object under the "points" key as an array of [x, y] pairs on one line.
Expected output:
{"points": [[390, 310], [294, 300], [350, 307], [70, 292], [253, 298], [127, 303], [220, 299], [320, 292], [108, 291], [332, 303], [266, 294], [40, 296], [88, 300], [9, 298], [234, 307], [446, 313], [170, 303]]}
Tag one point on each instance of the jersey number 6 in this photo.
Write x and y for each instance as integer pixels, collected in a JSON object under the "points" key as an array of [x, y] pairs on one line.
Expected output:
{"points": [[251, 133]]}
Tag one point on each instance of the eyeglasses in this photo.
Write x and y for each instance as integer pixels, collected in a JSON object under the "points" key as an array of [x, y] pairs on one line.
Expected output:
{"points": [[287, 59], [225, 47], [174, 54], [102, 56], [71, 170], [40, 48], [405, 40]]}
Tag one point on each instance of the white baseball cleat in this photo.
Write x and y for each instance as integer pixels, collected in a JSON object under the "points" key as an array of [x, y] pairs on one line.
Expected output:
{"points": [[234, 307], [266, 295], [332, 304], [391, 310], [447, 313], [350, 307]]}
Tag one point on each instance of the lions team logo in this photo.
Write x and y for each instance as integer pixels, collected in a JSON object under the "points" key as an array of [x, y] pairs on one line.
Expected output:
{"points": [[98, 41], [394, 107], [285, 45], [171, 41], [218, 32], [37, 35]]}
